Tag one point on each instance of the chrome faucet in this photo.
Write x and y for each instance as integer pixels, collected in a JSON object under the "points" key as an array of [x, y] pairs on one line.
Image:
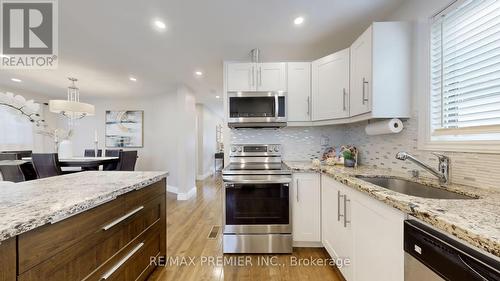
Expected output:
{"points": [[443, 171]]}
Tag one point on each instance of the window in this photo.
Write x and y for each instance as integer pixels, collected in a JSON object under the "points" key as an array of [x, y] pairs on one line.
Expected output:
{"points": [[465, 72], [16, 132]]}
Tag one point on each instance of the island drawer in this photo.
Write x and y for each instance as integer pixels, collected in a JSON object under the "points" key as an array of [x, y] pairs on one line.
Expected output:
{"points": [[134, 261], [91, 226], [81, 259], [137, 197], [41, 243]]}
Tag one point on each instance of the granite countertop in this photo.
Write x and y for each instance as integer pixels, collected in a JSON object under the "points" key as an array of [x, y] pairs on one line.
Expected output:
{"points": [[28, 205], [476, 221]]}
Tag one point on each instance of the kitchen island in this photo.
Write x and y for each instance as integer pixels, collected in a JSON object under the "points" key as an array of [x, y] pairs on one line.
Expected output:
{"points": [[85, 226]]}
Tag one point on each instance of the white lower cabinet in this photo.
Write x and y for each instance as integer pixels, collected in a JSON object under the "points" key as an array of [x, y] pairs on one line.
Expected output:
{"points": [[306, 212], [336, 233], [378, 240], [364, 230]]}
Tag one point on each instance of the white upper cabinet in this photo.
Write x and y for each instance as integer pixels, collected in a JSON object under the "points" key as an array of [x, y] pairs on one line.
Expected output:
{"points": [[271, 76], [330, 86], [241, 77], [361, 74], [380, 71], [299, 91], [369, 80], [306, 210]]}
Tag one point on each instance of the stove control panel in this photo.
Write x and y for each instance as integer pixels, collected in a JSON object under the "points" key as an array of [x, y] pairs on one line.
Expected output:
{"points": [[255, 150]]}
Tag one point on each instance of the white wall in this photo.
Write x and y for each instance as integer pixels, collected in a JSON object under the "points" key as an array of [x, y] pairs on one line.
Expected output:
{"points": [[169, 134], [206, 146], [83, 132], [186, 143]]}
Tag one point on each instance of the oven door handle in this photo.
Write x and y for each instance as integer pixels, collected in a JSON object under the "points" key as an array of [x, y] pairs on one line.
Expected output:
{"points": [[256, 179]]}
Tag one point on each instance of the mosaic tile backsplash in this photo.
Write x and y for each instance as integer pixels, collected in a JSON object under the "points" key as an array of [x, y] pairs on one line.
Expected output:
{"points": [[304, 143], [298, 143], [482, 170]]}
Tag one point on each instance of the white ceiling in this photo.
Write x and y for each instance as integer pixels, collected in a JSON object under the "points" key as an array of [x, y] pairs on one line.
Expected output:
{"points": [[102, 43]]}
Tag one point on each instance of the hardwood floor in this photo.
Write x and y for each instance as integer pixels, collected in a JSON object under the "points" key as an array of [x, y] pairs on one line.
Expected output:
{"points": [[188, 225]]}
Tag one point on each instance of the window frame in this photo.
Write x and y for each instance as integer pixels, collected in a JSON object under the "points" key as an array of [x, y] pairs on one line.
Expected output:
{"points": [[425, 141]]}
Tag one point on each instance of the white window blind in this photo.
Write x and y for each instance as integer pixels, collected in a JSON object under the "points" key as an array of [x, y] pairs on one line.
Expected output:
{"points": [[465, 69]]}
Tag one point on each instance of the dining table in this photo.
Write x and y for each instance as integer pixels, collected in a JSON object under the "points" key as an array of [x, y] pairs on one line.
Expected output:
{"points": [[83, 162]]}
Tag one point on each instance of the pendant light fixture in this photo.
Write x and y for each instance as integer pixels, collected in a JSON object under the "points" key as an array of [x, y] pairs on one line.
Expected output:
{"points": [[72, 108]]}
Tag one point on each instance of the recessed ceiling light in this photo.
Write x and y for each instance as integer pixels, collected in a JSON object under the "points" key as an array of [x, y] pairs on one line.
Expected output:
{"points": [[198, 73], [16, 80], [160, 25], [133, 79], [298, 20], [217, 97]]}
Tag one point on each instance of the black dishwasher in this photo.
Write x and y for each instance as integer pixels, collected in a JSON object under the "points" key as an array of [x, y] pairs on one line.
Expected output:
{"points": [[431, 255]]}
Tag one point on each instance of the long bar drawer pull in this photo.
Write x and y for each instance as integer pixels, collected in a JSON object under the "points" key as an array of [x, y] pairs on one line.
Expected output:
{"points": [[122, 218], [110, 272]]}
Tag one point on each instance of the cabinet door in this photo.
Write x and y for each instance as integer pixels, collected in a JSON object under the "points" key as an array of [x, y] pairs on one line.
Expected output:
{"points": [[361, 74], [337, 235], [330, 87], [271, 76], [330, 225], [241, 77], [299, 91], [306, 207], [378, 231]]}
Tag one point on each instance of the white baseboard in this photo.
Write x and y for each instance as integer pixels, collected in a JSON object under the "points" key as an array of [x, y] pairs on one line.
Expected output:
{"points": [[173, 189], [182, 196], [185, 196], [203, 177], [307, 244]]}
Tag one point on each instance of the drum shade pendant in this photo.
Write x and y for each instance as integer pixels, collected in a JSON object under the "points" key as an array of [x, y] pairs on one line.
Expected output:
{"points": [[72, 108]]}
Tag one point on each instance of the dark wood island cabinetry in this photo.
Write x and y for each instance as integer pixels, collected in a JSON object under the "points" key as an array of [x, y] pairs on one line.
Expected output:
{"points": [[112, 241]]}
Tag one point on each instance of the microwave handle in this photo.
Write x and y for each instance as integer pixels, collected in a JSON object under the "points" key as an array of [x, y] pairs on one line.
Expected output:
{"points": [[276, 106]]}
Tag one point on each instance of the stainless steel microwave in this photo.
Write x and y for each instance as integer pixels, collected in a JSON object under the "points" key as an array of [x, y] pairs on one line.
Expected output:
{"points": [[257, 109]]}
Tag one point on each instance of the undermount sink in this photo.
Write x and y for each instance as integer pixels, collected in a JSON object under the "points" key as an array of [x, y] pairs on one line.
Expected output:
{"points": [[412, 188]]}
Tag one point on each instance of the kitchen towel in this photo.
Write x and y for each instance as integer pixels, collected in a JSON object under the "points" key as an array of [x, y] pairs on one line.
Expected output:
{"points": [[392, 126]]}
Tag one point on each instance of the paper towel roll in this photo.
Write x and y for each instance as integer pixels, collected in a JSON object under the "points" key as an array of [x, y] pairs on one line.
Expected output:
{"points": [[392, 126]]}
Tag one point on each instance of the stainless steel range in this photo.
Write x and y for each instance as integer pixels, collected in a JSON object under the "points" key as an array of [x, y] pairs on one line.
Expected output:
{"points": [[257, 209]]}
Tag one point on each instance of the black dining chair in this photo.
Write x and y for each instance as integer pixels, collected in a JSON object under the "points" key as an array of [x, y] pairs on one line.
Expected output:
{"points": [[127, 160], [111, 153], [46, 164], [91, 153], [11, 173]]}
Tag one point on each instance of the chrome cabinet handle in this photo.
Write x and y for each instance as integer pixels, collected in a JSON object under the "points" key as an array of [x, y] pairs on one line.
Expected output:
{"points": [[344, 98], [338, 205], [253, 76], [260, 76], [365, 99], [250, 78], [297, 190], [345, 211], [122, 218], [308, 106], [110, 272]]}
